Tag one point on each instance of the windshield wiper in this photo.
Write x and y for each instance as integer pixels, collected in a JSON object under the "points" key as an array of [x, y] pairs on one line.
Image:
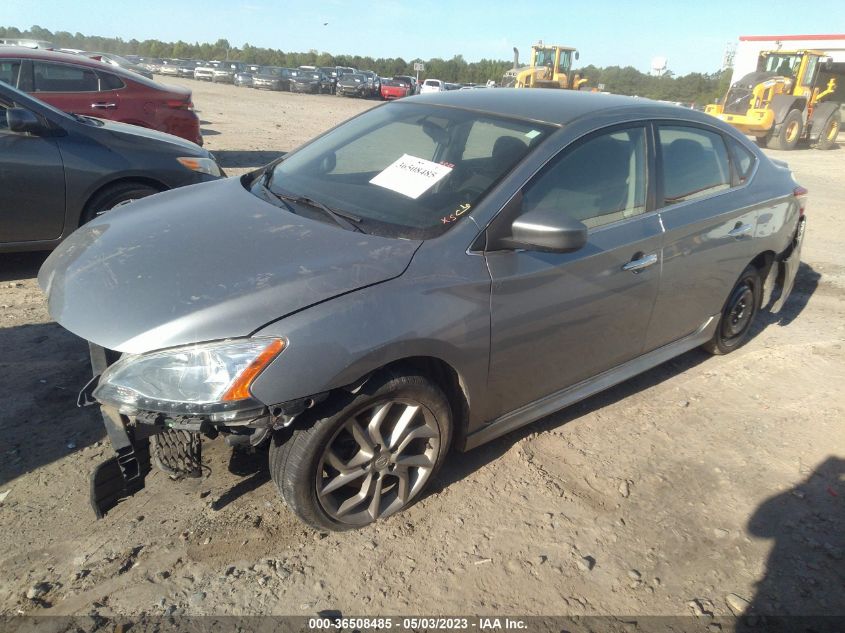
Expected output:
{"points": [[341, 218]]}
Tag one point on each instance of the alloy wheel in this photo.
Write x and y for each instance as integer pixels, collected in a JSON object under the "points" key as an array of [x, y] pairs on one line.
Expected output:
{"points": [[378, 461]]}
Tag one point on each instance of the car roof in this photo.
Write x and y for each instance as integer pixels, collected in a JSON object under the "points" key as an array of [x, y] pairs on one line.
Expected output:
{"points": [[558, 107], [21, 52]]}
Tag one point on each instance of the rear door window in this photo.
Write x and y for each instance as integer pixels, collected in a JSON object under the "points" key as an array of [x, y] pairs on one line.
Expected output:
{"points": [[64, 78], [9, 71], [695, 163]]}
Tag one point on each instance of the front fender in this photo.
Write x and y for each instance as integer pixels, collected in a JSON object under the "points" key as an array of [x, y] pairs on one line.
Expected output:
{"points": [[444, 314]]}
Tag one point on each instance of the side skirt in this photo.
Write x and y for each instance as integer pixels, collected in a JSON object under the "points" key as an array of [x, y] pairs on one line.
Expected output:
{"points": [[545, 406]]}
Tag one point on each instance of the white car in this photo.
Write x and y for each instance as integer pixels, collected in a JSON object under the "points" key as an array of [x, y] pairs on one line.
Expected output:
{"points": [[433, 85]]}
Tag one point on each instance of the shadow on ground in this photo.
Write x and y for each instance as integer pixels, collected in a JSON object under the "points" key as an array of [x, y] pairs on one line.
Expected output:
{"points": [[43, 367], [16, 266], [805, 572]]}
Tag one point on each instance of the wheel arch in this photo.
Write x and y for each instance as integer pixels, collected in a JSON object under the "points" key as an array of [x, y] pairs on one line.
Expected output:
{"points": [[138, 180], [448, 380], [783, 104]]}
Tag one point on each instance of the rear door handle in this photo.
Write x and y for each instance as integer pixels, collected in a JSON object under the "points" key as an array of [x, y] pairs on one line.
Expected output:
{"points": [[643, 261], [104, 106], [740, 230]]}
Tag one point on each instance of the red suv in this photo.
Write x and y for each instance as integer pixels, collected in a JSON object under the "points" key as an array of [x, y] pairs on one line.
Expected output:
{"points": [[80, 85]]}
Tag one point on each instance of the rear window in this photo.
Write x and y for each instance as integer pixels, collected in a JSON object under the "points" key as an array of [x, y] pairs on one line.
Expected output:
{"points": [[64, 78], [743, 159], [110, 82], [695, 163], [432, 82], [9, 71]]}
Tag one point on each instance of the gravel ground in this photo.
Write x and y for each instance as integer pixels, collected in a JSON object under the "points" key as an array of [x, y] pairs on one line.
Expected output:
{"points": [[703, 486]]}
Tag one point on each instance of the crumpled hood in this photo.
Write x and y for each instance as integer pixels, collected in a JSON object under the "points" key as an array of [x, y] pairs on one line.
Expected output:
{"points": [[202, 263]]}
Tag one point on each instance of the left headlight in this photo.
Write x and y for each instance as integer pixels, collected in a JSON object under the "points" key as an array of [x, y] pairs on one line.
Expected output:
{"points": [[195, 379], [202, 165]]}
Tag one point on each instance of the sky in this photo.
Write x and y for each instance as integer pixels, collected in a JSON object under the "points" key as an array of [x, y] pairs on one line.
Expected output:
{"points": [[691, 35]]}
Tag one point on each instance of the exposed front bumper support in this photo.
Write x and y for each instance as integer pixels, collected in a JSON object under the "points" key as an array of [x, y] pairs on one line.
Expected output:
{"points": [[123, 475]]}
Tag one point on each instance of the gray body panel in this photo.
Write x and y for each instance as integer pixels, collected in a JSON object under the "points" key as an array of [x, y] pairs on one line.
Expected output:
{"points": [[524, 331], [559, 318], [205, 288]]}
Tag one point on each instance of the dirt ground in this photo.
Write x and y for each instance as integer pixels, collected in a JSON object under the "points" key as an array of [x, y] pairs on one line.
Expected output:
{"points": [[707, 485]]}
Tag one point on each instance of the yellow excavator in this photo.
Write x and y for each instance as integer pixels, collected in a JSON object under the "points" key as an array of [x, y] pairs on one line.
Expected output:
{"points": [[551, 67], [784, 101]]}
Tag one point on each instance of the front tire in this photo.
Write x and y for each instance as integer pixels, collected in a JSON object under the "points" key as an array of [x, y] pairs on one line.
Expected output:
{"points": [[115, 195], [827, 138], [365, 456], [738, 314], [790, 132]]}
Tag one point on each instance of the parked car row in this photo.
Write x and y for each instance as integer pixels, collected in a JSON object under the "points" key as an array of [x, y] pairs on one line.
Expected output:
{"points": [[339, 80]]}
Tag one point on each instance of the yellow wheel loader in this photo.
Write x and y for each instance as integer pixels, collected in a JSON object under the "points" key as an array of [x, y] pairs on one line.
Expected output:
{"points": [[784, 101], [551, 67]]}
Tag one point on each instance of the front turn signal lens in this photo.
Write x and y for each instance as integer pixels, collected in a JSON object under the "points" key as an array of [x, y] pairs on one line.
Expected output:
{"points": [[239, 389]]}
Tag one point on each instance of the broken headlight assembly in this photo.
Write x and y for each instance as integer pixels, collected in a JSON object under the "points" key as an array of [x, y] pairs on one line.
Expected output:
{"points": [[208, 379]]}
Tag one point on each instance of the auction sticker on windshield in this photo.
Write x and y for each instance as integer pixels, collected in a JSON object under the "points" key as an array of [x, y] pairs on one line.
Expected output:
{"points": [[411, 176]]}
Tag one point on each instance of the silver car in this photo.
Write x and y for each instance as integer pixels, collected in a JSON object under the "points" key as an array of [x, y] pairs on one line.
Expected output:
{"points": [[428, 276]]}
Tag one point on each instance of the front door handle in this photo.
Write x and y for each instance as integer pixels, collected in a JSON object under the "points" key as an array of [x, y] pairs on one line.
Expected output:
{"points": [[740, 230], [641, 262], [104, 106]]}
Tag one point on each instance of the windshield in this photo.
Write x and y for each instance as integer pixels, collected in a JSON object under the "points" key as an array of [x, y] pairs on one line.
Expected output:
{"points": [[407, 170], [781, 64]]}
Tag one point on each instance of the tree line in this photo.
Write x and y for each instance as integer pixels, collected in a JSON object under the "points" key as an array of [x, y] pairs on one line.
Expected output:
{"points": [[696, 88]]}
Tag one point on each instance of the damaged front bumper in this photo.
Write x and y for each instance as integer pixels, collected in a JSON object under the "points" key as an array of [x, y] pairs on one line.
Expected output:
{"points": [[131, 432]]}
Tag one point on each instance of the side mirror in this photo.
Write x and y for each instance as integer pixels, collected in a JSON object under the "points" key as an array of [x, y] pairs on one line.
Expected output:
{"points": [[548, 230], [22, 120], [827, 63], [576, 55]]}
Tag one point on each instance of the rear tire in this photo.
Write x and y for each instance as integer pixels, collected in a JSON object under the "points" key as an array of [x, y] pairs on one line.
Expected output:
{"points": [[114, 195], [738, 314], [790, 132], [830, 130], [364, 456]]}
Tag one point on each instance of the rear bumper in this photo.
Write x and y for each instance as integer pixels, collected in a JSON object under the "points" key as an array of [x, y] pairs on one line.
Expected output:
{"points": [[182, 123], [789, 263]]}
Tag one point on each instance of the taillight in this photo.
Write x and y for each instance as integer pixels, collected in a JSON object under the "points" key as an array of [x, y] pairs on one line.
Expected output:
{"points": [[178, 105], [800, 194]]}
